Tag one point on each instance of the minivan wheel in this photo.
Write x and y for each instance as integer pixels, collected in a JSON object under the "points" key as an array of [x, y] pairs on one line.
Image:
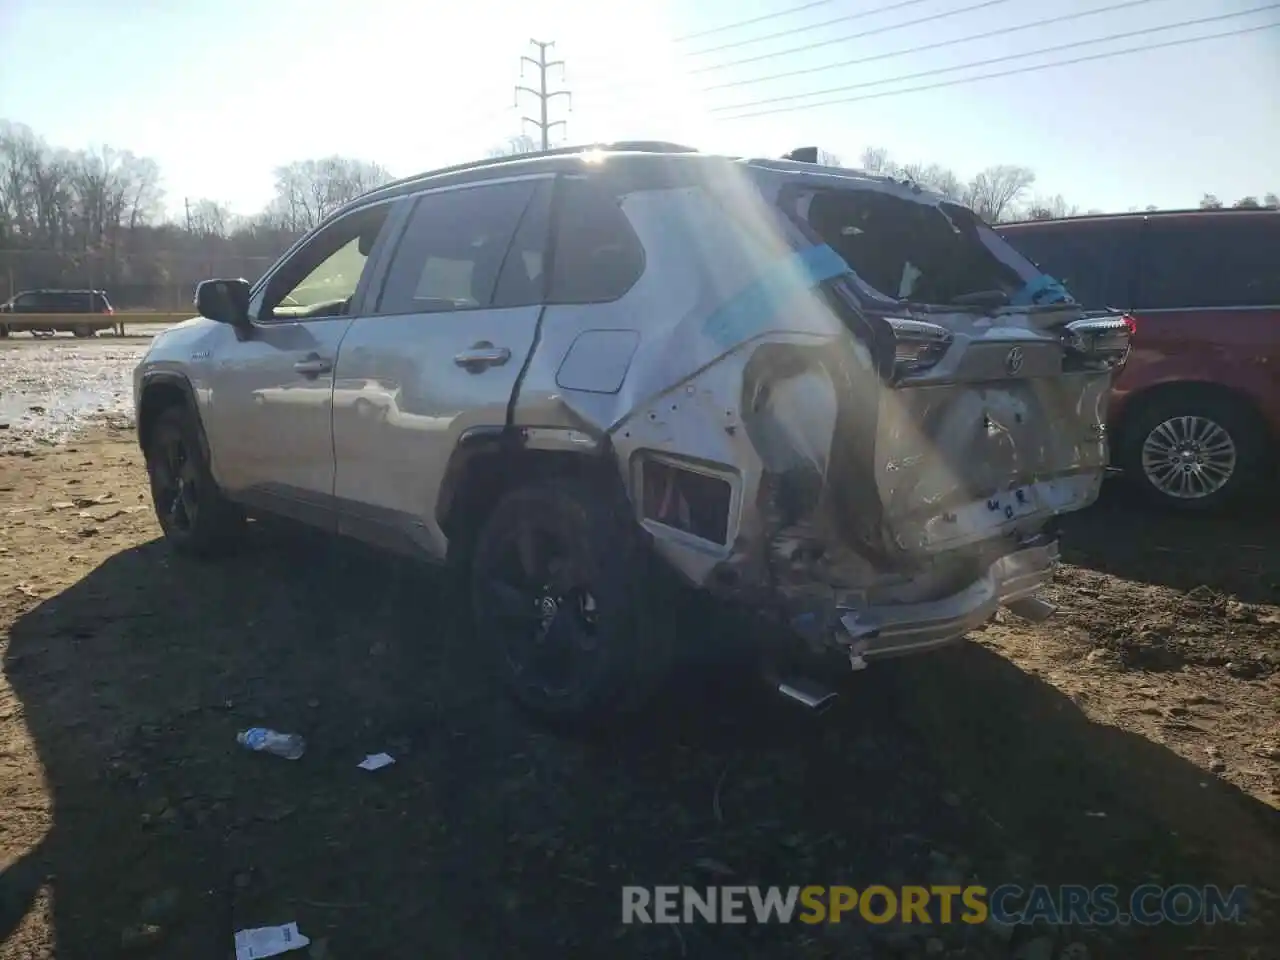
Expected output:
{"points": [[558, 588], [196, 518], [4, 332], [82, 330], [1192, 452]]}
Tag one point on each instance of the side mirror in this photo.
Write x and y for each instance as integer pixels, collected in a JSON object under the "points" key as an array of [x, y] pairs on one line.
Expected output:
{"points": [[226, 301]]}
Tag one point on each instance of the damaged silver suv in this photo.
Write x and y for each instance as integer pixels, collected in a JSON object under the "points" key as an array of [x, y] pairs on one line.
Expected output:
{"points": [[834, 398]]}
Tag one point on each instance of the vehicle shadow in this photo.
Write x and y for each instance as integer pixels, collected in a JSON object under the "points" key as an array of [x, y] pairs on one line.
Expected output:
{"points": [[490, 837], [1237, 553]]}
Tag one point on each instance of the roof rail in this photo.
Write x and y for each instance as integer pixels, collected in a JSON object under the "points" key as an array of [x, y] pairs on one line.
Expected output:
{"points": [[1175, 211], [617, 146]]}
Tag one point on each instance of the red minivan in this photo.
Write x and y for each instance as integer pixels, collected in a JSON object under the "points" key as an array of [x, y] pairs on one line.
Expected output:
{"points": [[1195, 417]]}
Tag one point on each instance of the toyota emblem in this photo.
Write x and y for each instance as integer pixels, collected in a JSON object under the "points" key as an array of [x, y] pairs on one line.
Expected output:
{"points": [[1013, 361]]}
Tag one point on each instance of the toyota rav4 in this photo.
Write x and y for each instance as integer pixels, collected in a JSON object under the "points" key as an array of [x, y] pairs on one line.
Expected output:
{"points": [[836, 399]]}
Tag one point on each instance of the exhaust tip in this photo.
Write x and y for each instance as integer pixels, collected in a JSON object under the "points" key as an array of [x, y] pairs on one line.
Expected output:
{"points": [[1032, 609], [811, 696]]}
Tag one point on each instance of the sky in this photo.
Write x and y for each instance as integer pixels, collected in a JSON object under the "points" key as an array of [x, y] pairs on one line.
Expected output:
{"points": [[221, 92]]}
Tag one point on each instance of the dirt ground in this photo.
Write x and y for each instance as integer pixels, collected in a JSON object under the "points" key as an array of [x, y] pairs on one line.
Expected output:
{"points": [[1134, 738]]}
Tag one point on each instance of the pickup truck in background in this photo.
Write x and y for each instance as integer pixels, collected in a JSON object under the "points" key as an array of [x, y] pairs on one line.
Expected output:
{"points": [[1195, 414]]}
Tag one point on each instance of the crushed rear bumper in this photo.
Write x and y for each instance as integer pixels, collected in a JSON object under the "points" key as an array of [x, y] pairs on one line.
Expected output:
{"points": [[887, 631]]}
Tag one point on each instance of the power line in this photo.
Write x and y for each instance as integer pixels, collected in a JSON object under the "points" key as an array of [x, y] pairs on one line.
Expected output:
{"points": [[805, 29], [746, 23], [1006, 73], [542, 93], [851, 36], [990, 60], [858, 61], [627, 85]]}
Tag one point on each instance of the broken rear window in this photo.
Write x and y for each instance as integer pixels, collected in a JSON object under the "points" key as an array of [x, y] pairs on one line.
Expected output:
{"points": [[914, 251]]}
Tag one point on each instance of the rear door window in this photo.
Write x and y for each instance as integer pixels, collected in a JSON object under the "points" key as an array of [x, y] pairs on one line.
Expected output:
{"points": [[1093, 259], [453, 249], [522, 279], [1219, 260]]}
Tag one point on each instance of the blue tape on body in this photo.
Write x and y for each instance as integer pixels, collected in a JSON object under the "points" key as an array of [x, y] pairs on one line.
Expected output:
{"points": [[1041, 289], [752, 309]]}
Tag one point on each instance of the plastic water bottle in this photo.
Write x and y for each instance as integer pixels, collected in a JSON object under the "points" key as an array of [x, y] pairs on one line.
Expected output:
{"points": [[260, 739]]}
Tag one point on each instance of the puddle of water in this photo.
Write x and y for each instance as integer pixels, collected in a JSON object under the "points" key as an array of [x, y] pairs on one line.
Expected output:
{"points": [[48, 393]]}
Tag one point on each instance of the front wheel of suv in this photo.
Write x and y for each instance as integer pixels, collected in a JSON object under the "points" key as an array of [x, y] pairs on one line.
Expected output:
{"points": [[195, 516], [563, 599], [1192, 450]]}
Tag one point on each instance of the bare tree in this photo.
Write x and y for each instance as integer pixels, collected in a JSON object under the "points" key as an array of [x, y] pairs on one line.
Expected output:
{"points": [[829, 159], [994, 192], [875, 160], [514, 146], [1247, 203], [942, 180], [307, 191], [1210, 202], [1051, 208], [1271, 201], [208, 218]]}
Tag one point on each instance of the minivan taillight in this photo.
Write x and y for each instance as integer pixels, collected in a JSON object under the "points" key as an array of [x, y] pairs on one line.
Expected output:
{"points": [[918, 345]]}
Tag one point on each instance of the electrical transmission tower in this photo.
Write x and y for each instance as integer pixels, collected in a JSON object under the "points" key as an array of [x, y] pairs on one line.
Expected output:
{"points": [[542, 93]]}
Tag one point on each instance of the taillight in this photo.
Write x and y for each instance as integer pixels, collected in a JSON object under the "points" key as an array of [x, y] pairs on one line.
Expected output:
{"points": [[1099, 341], [918, 345]]}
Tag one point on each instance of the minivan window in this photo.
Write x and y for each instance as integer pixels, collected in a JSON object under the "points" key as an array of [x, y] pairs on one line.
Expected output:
{"points": [[1093, 259], [453, 248], [1225, 260], [598, 255]]}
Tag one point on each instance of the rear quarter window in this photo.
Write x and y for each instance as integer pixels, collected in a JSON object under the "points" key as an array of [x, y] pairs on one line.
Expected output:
{"points": [[1222, 260], [598, 256]]}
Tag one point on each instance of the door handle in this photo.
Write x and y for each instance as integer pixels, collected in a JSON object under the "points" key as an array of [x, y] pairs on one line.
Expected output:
{"points": [[482, 355], [313, 366]]}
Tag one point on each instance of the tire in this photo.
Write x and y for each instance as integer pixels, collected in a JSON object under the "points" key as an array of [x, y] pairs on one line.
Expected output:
{"points": [[1221, 440], [196, 518], [592, 603], [82, 331], [4, 332]]}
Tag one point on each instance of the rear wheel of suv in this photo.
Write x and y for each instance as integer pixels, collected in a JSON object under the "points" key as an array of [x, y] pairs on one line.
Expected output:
{"points": [[1192, 450], [196, 518], [82, 330], [563, 599]]}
